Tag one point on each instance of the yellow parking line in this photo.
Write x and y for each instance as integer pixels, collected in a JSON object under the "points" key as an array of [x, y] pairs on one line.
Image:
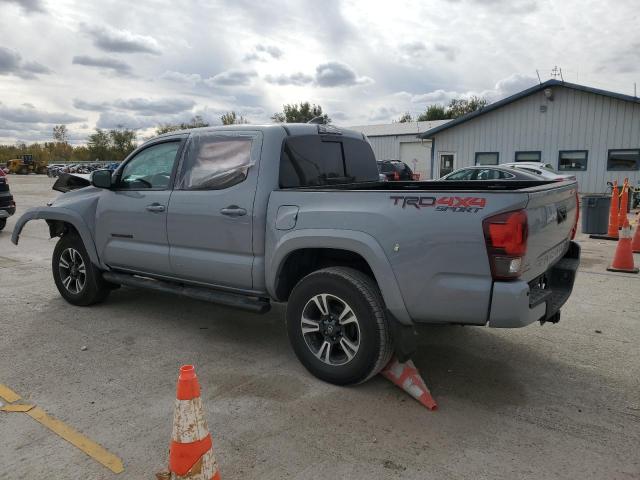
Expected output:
{"points": [[17, 407], [75, 438], [8, 395], [78, 440]]}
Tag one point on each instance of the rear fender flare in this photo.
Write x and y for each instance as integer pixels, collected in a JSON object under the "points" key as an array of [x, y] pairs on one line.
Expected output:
{"points": [[358, 242], [61, 214]]}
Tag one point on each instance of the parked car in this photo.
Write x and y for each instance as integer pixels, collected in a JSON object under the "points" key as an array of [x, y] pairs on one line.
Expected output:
{"points": [[490, 172], [545, 170], [246, 214], [395, 170], [7, 204]]}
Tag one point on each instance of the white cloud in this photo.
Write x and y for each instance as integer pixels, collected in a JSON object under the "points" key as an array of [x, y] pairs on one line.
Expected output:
{"points": [[121, 41], [253, 57]]}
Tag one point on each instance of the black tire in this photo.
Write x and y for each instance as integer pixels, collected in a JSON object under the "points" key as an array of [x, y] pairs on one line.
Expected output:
{"points": [[3, 223], [360, 293], [93, 290]]}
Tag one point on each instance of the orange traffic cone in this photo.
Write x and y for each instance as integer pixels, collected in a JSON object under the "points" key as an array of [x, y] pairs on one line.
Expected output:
{"points": [[623, 258], [612, 232], [635, 243], [406, 376], [191, 452], [624, 203]]}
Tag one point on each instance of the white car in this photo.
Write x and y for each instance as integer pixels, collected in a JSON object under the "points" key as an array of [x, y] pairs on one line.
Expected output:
{"points": [[539, 168]]}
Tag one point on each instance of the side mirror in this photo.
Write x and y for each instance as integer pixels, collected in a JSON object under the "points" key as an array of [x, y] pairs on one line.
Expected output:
{"points": [[101, 178]]}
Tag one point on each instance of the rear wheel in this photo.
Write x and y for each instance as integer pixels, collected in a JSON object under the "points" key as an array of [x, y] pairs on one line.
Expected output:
{"points": [[337, 326], [78, 280]]}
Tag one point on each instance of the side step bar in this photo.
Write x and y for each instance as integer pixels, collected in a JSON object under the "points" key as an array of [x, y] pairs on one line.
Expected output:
{"points": [[253, 304]]}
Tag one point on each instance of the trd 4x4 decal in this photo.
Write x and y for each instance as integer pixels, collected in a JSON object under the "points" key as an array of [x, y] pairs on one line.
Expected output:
{"points": [[441, 204]]}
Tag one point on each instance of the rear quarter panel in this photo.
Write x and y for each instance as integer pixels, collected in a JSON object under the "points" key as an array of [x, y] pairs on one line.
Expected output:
{"points": [[434, 246]]}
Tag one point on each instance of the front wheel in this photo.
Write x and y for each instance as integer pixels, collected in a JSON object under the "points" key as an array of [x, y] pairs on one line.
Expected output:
{"points": [[337, 325], [78, 280]]}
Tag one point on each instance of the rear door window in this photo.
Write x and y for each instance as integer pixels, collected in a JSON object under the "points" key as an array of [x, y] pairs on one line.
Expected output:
{"points": [[215, 162], [316, 160]]}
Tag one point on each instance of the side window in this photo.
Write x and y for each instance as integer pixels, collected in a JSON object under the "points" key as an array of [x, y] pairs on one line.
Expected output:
{"points": [[504, 175], [572, 160], [307, 161], [386, 167], [487, 174], [626, 159], [215, 162], [487, 158], [359, 160], [151, 168], [468, 174], [316, 160], [534, 156]]}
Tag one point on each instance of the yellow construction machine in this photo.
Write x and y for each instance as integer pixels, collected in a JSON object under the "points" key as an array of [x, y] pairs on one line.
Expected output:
{"points": [[25, 165]]}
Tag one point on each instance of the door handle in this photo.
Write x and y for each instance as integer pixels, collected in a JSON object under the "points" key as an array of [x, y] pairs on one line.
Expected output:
{"points": [[155, 207], [233, 211]]}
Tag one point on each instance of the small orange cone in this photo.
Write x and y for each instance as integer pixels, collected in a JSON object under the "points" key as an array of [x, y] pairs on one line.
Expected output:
{"points": [[624, 203], [623, 258], [406, 376], [635, 243], [191, 452]]}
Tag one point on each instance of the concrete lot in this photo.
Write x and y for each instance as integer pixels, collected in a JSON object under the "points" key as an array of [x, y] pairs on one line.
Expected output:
{"points": [[552, 401]]}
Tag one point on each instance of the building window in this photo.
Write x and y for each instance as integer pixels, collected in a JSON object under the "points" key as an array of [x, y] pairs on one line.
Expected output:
{"points": [[533, 156], [627, 159], [487, 158], [574, 160]]}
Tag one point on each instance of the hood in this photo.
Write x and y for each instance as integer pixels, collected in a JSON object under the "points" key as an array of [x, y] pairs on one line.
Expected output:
{"points": [[71, 181]]}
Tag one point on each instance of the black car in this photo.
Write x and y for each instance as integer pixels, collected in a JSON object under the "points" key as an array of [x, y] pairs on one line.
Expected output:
{"points": [[7, 205], [395, 170]]}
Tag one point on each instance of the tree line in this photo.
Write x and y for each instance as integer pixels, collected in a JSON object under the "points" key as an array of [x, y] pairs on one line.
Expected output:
{"points": [[113, 145], [457, 107]]}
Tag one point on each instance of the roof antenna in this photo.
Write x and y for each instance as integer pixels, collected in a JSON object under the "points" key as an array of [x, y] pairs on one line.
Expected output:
{"points": [[538, 73], [561, 77], [555, 73], [319, 120]]}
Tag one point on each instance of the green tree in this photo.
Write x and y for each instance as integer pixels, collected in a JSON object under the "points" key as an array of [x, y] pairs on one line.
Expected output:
{"points": [[406, 117], [195, 122], [99, 145], [231, 118], [122, 142], [460, 106], [300, 113], [434, 112], [60, 133]]}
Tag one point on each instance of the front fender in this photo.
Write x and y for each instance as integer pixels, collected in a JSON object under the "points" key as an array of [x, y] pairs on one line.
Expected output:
{"points": [[358, 242], [62, 214]]}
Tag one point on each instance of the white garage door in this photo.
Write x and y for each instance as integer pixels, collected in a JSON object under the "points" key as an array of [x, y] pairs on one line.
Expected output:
{"points": [[418, 157]]}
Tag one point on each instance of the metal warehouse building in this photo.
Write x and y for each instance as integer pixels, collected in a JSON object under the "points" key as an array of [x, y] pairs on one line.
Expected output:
{"points": [[592, 133], [399, 141]]}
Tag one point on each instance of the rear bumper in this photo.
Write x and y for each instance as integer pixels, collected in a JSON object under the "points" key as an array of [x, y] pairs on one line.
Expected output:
{"points": [[518, 304]]}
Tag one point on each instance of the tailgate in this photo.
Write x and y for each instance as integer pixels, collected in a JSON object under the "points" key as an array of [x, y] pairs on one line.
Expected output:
{"points": [[551, 213]]}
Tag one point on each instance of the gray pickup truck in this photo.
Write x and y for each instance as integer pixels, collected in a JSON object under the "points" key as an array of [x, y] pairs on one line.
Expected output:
{"points": [[245, 215]]}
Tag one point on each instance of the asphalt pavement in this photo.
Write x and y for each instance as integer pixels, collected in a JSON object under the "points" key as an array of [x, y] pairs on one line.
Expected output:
{"points": [[542, 402]]}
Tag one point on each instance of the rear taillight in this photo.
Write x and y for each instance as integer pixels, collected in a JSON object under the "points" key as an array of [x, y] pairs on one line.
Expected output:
{"points": [[396, 176], [574, 230], [505, 235]]}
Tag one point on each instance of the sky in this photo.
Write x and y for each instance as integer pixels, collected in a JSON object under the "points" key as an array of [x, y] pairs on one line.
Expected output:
{"points": [[140, 64]]}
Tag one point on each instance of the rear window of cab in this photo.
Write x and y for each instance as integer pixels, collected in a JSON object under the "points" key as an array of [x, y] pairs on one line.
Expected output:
{"points": [[317, 160]]}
